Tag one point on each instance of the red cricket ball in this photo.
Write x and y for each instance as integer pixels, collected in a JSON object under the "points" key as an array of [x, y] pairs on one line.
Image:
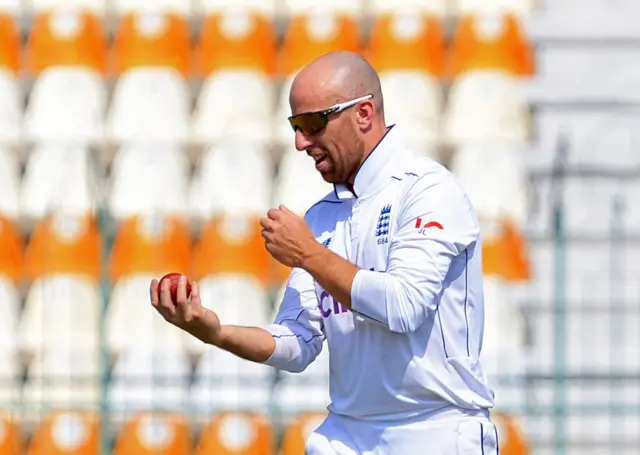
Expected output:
{"points": [[175, 279]]}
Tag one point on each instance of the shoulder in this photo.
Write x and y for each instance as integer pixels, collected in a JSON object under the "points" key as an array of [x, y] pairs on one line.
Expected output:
{"points": [[420, 173], [431, 186]]}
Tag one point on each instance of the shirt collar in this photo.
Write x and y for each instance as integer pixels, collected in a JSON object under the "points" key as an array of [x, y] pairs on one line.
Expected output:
{"points": [[374, 171]]}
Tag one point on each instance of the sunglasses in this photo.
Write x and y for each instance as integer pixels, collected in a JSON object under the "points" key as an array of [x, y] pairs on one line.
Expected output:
{"points": [[312, 122]]}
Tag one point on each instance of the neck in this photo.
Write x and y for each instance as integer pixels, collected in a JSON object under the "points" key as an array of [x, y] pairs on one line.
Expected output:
{"points": [[370, 142]]}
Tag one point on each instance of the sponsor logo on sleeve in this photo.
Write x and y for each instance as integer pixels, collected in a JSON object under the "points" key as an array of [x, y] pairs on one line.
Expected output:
{"points": [[423, 225]]}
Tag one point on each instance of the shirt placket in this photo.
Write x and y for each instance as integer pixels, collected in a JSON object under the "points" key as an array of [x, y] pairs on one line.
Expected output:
{"points": [[354, 231]]}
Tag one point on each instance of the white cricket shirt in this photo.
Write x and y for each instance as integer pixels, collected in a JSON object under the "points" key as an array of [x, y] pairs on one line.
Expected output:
{"points": [[412, 342]]}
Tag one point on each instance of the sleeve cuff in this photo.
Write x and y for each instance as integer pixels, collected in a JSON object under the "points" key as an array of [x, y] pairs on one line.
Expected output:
{"points": [[368, 296], [280, 355]]}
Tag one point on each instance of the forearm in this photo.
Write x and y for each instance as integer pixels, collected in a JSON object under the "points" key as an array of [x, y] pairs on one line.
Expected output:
{"points": [[250, 343], [332, 272]]}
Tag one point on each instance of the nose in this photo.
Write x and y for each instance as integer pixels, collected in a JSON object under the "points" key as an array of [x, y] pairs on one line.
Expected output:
{"points": [[302, 141]]}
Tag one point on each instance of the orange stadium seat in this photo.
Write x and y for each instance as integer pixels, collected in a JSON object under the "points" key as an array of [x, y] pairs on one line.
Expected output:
{"points": [[152, 40], [11, 250], [510, 436], [150, 244], [407, 42], [9, 44], [232, 433], [492, 42], [298, 431], [504, 251], [309, 36], [11, 440], [67, 37], [154, 434], [239, 40], [232, 244], [66, 433], [64, 244]]}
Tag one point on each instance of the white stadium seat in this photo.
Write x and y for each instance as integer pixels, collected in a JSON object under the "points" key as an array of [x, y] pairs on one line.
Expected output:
{"points": [[234, 104], [237, 300], [61, 378], [520, 7], [283, 133], [9, 378], [11, 105], [306, 391], [504, 330], [62, 311], [145, 379], [9, 184], [413, 101], [149, 178], [132, 321], [98, 7], [437, 8], [181, 7], [9, 309], [266, 7], [225, 382], [66, 105], [58, 177], [151, 104], [299, 185], [346, 7], [234, 177], [12, 7], [486, 105], [495, 178]]}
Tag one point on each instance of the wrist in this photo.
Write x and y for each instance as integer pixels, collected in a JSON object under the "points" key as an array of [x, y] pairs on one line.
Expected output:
{"points": [[312, 256], [206, 328]]}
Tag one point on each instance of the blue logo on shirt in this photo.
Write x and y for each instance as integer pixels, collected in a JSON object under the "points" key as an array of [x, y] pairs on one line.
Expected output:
{"points": [[327, 242], [382, 228]]}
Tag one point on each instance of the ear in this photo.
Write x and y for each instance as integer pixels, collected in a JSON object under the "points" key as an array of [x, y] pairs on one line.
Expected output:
{"points": [[365, 113]]}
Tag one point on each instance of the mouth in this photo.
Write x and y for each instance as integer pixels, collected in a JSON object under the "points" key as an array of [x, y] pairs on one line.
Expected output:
{"points": [[319, 158]]}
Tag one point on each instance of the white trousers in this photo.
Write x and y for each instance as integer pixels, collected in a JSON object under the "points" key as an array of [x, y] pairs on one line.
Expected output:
{"points": [[339, 435]]}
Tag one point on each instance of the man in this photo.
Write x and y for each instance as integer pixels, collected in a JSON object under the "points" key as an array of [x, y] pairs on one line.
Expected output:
{"points": [[386, 269]]}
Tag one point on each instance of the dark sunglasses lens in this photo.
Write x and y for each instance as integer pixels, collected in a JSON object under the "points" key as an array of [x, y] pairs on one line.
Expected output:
{"points": [[309, 123]]}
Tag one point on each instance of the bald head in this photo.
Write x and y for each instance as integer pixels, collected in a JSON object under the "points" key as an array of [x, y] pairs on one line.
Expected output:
{"points": [[338, 141], [337, 77]]}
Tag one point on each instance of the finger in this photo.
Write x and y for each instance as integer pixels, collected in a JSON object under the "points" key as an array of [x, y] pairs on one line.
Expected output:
{"points": [[267, 235], [273, 214], [181, 293], [266, 223], [284, 209], [153, 293], [195, 295], [270, 247], [165, 295]]}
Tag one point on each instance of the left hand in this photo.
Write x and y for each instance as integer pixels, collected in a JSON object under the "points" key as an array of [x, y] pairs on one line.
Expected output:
{"points": [[287, 236]]}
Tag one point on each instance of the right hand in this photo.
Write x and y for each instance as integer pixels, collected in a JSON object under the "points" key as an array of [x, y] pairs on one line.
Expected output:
{"points": [[187, 313]]}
